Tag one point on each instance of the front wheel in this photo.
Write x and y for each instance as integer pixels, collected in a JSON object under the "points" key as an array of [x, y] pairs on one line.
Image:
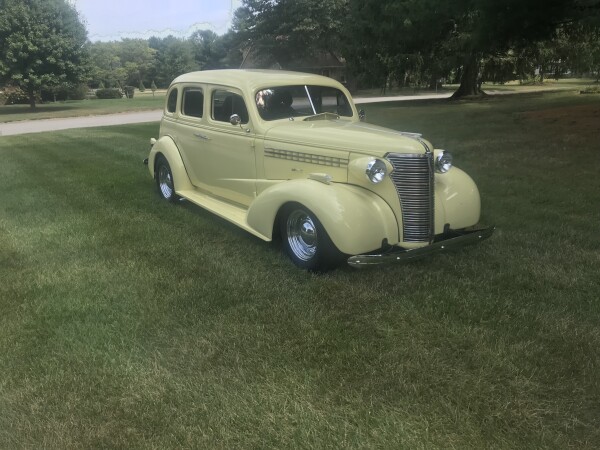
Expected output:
{"points": [[305, 240], [164, 179]]}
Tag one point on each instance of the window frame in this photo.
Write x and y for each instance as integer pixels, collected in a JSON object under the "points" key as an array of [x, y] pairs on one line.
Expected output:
{"points": [[174, 90]]}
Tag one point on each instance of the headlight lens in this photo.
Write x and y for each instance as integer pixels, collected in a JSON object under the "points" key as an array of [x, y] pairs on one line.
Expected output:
{"points": [[443, 162], [376, 171]]}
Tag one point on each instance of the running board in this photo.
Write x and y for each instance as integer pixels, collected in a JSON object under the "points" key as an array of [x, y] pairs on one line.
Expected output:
{"points": [[234, 214]]}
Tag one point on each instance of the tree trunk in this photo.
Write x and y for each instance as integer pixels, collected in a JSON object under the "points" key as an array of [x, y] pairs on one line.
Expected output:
{"points": [[468, 80], [31, 98], [433, 82]]}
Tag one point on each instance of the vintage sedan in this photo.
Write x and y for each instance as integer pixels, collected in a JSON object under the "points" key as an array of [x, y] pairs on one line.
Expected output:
{"points": [[287, 154]]}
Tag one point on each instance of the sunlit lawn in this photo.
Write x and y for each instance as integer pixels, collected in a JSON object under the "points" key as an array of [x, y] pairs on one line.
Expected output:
{"points": [[127, 322], [549, 84]]}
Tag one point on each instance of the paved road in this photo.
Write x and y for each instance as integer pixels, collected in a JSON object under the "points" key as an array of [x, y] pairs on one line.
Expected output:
{"points": [[39, 126]]}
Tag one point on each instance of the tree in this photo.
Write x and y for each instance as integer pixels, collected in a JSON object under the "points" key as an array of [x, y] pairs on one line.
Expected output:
{"points": [[286, 30], [406, 41], [174, 56], [126, 62], [469, 31], [491, 27], [137, 58], [42, 43], [228, 48], [206, 52], [106, 65]]}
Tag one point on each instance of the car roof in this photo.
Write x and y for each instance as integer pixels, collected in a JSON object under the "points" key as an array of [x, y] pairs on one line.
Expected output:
{"points": [[254, 79]]}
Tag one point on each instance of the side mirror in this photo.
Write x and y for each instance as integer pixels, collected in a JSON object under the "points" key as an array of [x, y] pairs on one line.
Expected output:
{"points": [[235, 119], [361, 115]]}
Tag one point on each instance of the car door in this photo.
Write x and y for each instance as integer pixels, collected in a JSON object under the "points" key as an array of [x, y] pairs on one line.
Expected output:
{"points": [[188, 136], [229, 164]]}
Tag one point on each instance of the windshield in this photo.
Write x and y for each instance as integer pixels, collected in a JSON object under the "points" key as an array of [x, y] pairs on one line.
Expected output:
{"points": [[283, 102]]}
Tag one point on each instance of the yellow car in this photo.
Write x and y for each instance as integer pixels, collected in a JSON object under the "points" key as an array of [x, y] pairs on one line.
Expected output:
{"points": [[287, 154]]}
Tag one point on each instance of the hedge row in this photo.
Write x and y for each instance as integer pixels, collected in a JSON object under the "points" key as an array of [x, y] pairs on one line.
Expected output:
{"points": [[109, 93]]}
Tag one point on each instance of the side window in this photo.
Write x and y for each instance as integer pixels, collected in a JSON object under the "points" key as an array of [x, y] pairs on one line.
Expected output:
{"points": [[225, 104], [172, 101], [193, 102]]}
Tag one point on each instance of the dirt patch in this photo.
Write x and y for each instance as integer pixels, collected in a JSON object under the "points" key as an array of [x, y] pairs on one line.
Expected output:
{"points": [[579, 119]]}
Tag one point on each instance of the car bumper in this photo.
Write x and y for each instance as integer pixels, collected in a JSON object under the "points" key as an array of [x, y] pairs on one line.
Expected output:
{"points": [[451, 240]]}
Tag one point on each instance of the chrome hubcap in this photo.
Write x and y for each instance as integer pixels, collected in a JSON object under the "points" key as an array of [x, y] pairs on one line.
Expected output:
{"points": [[302, 235], [165, 182]]}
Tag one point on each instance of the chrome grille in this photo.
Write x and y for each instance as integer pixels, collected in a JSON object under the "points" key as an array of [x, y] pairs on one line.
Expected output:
{"points": [[413, 178]]}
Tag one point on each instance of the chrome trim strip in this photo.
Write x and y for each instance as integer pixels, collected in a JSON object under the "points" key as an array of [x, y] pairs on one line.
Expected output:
{"points": [[305, 157]]}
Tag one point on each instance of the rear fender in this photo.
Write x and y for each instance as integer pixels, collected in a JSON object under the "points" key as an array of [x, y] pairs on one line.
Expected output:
{"points": [[355, 219], [166, 146]]}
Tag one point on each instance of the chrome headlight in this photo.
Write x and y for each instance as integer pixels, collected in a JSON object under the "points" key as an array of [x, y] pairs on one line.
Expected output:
{"points": [[376, 171], [443, 162]]}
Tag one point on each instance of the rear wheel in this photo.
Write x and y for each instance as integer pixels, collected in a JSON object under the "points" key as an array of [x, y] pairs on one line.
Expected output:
{"points": [[164, 179], [305, 240]]}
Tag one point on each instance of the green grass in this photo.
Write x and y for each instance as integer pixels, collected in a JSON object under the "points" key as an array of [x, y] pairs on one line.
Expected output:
{"points": [[140, 102], [549, 84], [127, 322]]}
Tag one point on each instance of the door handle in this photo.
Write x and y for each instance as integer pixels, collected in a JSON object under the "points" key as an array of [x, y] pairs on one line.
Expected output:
{"points": [[201, 136]]}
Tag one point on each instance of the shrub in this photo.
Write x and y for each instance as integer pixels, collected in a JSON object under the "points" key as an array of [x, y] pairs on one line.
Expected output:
{"points": [[64, 92], [17, 96], [101, 85], [129, 91], [109, 93], [142, 87]]}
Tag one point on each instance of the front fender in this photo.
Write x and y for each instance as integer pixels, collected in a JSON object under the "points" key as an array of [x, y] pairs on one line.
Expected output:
{"points": [[457, 201], [356, 220], [166, 146]]}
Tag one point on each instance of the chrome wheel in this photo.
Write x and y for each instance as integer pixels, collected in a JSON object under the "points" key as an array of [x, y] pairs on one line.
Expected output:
{"points": [[301, 235], [305, 240], [165, 181]]}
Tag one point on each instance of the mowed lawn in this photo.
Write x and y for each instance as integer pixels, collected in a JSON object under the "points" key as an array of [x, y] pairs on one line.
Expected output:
{"points": [[127, 322]]}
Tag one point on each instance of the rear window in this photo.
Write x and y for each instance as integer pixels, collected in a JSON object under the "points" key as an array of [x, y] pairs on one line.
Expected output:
{"points": [[172, 101]]}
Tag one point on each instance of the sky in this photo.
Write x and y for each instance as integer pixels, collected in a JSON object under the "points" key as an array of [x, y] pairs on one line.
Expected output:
{"points": [[111, 20]]}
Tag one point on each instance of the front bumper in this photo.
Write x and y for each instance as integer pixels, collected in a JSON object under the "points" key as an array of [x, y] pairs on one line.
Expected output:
{"points": [[451, 240]]}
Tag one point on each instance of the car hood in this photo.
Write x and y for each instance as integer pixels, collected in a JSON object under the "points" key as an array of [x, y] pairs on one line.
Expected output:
{"points": [[343, 135]]}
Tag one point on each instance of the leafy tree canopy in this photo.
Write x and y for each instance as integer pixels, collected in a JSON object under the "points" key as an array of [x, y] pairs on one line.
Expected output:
{"points": [[289, 29], [392, 33], [42, 43], [126, 62]]}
